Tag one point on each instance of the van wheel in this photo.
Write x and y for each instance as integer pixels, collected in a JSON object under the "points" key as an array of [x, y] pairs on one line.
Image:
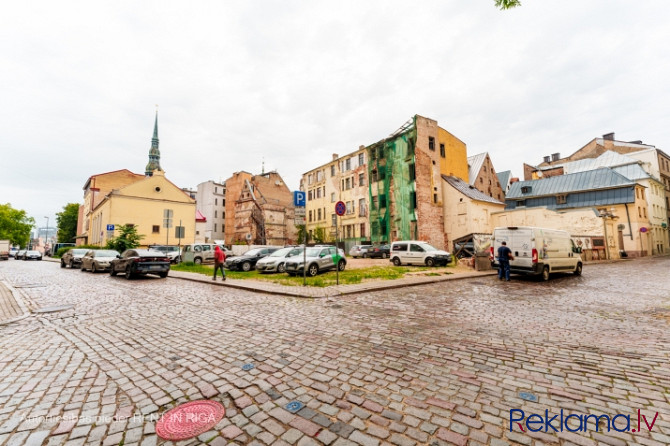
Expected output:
{"points": [[430, 261], [545, 273], [313, 270], [197, 261], [578, 270], [396, 261]]}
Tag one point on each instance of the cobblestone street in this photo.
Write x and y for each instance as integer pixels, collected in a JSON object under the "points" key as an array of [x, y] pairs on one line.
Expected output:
{"points": [[433, 364]]}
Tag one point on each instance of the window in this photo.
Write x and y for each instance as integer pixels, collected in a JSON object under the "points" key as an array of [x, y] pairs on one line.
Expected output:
{"points": [[310, 216], [347, 183], [319, 214], [309, 195], [415, 248], [216, 190], [361, 179], [155, 229], [214, 227], [216, 201], [361, 207], [431, 143], [410, 147], [216, 214], [361, 159], [525, 189], [319, 175], [412, 172], [318, 192], [362, 229], [412, 200], [332, 197], [644, 210], [332, 170], [481, 180], [347, 164], [310, 179], [443, 153], [333, 219], [374, 203], [434, 198], [561, 199], [382, 201]]}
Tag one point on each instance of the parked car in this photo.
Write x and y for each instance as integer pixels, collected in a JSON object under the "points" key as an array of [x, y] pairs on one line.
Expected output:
{"points": [[72, 258], [414, 252], [275, 262], [247, 261], [13, 251], [173, 252], [4, 249], [201, 253], [140, 261], [32, 255], [19, 254], [316, 260], [379, 252], [357, 251], [98, 260]]}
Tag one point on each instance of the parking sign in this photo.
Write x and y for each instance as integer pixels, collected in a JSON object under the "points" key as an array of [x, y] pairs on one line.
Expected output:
{"points": [[298, 198], [110, 227]]}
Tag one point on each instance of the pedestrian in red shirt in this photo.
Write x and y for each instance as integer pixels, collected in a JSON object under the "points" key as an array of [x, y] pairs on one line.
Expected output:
{"points": [[219, 258]]}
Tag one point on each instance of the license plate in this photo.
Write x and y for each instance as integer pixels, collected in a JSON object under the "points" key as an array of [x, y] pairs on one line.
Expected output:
{"points": [[155, 267]]}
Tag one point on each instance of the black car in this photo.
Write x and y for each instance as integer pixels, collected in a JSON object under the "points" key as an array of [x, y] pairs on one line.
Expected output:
{"points": [[140, 261], [247, 261], [379, 252]]}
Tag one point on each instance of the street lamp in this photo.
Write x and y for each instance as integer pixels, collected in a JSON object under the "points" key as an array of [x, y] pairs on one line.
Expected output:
{"points": [[46, 236]]}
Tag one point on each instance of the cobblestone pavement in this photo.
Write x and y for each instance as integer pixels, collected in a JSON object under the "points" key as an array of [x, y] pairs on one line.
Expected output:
{"points": [[434, 364]]}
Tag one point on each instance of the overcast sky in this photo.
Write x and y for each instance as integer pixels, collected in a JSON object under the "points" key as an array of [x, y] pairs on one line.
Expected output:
{"points": [[293, 82]]}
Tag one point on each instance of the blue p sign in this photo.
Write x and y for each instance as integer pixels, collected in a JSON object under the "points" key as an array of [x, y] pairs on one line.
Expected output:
{"points": [[298, 198], [110, 227]]}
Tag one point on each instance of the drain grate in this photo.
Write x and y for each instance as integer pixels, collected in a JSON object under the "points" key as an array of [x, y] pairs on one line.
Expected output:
{"points": [[54, 309], [189, 420]]}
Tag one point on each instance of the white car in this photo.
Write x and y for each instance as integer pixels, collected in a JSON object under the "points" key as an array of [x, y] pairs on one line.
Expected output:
{"points": [[275, 262], [415, 252], [98, 260]]}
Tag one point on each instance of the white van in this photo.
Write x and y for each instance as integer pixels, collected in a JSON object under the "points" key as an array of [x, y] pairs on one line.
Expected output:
{"points": [[537, 251], [200, 253], [414, 252]]}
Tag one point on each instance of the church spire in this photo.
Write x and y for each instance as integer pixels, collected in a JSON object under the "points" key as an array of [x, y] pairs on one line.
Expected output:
{"points": [[154, 154]]}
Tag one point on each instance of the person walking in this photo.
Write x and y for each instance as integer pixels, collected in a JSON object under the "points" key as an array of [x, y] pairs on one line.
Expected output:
{"points": [[504, 256], [219, 258]]}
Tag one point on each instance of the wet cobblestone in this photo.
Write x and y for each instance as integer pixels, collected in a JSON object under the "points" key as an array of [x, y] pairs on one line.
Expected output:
{"points": [[433, 364]]}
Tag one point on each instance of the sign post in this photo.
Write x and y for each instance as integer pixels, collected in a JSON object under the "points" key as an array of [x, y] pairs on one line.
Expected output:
{"points": [[167, 223], [340, 210]]}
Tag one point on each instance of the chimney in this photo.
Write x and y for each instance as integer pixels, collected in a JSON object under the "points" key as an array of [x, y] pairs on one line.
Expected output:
{"points": [[555, 156], [335, 156], [513, 180], [547, 159], [609, 136], [361, 147]]}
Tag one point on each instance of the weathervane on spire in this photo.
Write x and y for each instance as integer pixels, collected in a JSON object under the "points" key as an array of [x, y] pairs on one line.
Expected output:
{"points": [[263, 166]]}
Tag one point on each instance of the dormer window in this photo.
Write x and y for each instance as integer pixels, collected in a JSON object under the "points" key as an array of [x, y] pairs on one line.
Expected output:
{"points": [[526, 189]]}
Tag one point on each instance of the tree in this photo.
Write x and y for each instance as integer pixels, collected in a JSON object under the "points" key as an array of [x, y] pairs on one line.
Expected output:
{"points": [[320, 235], [127, 239], [15, 225], [507, 4], [67, 223]]}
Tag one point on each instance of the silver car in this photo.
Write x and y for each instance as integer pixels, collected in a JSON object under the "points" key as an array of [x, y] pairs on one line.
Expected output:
{"points": [[357, 251], [275, 262], [316, 259], [98, 260]]}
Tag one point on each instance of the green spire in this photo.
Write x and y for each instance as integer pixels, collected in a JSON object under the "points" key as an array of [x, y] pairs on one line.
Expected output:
{"points": [[154, 154]]}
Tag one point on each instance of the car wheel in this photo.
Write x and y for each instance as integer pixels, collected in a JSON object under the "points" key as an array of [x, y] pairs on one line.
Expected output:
{"points": [[197, 261], [365, 256], [82, 269], [313, 270], [94, 269], [71, 264], [384, 256], [341, 265], [129, 275], [281, 268], [163, 275], [430, 261], [545, 273], [396, 261], [111, 271], [62, 264], [246, 267], [578, 270]]}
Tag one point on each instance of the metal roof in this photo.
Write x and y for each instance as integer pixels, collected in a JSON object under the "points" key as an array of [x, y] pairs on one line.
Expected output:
{"points": [[632, 172], [607, 159], [604, 178], [503, 178], [468, 190], [475, 164]]}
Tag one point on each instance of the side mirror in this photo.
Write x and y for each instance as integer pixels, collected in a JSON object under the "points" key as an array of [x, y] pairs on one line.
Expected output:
{"points": [[118, 256]]}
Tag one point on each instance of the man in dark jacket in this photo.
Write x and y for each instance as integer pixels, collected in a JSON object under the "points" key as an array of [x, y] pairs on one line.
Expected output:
{"points": [[219, 258], [504, 256]]}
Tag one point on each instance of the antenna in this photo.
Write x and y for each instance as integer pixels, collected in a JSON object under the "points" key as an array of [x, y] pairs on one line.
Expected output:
{"points": [[263, 166]]}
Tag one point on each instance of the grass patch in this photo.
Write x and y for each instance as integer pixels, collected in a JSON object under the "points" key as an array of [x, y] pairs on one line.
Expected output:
{"points": [[349, 276]]}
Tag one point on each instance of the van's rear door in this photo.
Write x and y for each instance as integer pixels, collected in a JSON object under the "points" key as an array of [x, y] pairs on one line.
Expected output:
{"points": [[521, 244]]}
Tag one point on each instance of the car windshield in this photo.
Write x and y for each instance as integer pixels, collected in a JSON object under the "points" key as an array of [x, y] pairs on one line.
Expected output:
{"points": [[79, 252], [105, 253], [253, 252], [281, 252]]}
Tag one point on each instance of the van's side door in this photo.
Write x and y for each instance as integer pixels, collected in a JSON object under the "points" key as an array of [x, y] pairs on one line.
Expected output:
{"points": [[416, 254]]}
